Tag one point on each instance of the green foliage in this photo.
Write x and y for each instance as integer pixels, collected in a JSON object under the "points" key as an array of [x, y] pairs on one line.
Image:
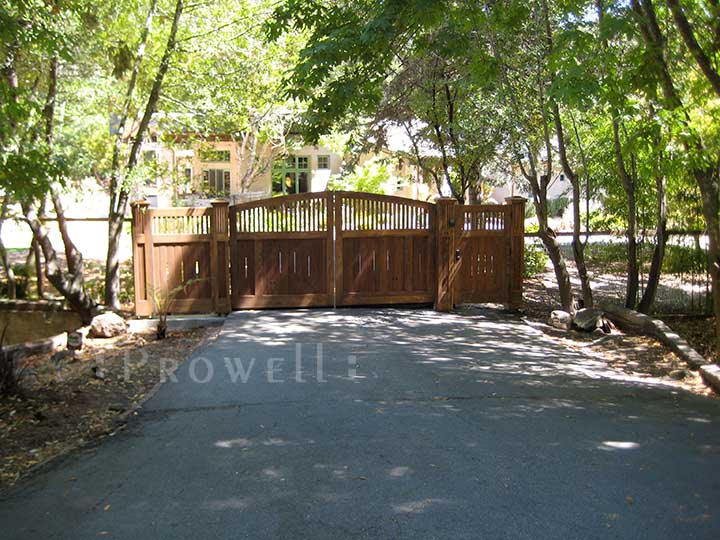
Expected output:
{"points": [[557, 206], [680, 259], [535, 260], [95, 282], [603, 221], [606, 256], [371, 177], [530, 211]]}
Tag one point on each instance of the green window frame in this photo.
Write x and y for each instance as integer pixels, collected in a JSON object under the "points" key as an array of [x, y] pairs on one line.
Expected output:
{"points": [[217, 181], [290, 175], [323, 162]]}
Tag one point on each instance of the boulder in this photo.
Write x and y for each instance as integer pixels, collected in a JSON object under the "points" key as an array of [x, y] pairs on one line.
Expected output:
{"points": [[588, 319], [99, 373], [107, 325], [678, 374], [560, 319]]}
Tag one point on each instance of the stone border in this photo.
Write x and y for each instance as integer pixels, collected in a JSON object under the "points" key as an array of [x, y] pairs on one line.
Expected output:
{"points": [[135, 326], [21, 350], [176, 322], [32, 305], [628, 318]]}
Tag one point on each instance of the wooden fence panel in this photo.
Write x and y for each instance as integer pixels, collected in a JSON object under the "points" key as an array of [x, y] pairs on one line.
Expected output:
{"points": [[180, 252]]}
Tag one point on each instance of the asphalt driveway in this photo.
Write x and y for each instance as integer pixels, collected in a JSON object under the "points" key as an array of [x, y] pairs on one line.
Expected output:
{"points": [[389, 424]]}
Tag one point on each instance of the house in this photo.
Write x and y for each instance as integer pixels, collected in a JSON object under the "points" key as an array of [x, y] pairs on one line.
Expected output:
{"points": [[192, 171]]}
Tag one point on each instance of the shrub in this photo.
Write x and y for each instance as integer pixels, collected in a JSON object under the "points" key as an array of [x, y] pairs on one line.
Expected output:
{"points": [[684, 260], [535, 260], [600, 221], [606, 254]]}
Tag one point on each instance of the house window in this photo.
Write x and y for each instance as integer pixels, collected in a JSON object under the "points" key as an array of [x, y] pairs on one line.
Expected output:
{"points": [[290, 175], [187, 173], [217, 181], [217, 156], [149, 156], [323, 162]]}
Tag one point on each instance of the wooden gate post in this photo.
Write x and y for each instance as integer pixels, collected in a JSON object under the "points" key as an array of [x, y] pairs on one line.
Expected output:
{"points": [[219, 249], [445, 223], [142, 257], [516, 234]]}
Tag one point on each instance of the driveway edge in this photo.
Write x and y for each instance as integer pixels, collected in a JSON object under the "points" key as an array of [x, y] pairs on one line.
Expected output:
{"points": [[633, 320]]}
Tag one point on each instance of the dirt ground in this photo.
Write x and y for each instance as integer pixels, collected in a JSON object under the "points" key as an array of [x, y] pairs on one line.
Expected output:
{"points": [[634, 354], [698, 331], [66, 403]]}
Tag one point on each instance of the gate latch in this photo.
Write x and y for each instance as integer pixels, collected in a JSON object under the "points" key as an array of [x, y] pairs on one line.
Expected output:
{"points": [[457, 255]]}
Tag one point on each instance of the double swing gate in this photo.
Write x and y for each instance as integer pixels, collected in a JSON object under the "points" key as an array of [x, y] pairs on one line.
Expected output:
{"points": [[328, 249]]}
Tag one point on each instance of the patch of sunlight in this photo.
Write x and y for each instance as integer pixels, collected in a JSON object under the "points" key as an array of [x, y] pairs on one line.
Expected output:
{"points": [[242, 442], [416, 507], [234, 443], [234, 503], [272, 472], [339, 472], [699, 420], [399, 472], [618, 445]]}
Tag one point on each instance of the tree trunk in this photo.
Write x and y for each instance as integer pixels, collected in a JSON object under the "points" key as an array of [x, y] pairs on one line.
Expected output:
{"points": [[70, 286], [7, 266], [628, 184], [118, 193], [34, 259], [688, 35], [705, 176], [72, 254], [710, 193], [577, 244], [552, 248], [120, 196], [648, 297], [547, 236]]}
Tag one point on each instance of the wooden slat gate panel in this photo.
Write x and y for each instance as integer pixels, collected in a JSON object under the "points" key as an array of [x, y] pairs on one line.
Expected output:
{"points": [[385, 250], [484, 251], [282, 252]]}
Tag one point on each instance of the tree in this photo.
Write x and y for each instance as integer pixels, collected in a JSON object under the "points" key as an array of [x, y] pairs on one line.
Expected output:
{"points": [[703, 157], [490, 55], [121, 175], [31, 67]]}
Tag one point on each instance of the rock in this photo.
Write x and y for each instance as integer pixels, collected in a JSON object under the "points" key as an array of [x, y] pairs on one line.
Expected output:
{"points": [[607, 326], [118, 407], [588, 319], [59, 356], [678, 374], [99, 373], [560, 319], [107, 325]]}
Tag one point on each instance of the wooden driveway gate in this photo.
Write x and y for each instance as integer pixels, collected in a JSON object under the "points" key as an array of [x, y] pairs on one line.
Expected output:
{"points": [[331, 249]]}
